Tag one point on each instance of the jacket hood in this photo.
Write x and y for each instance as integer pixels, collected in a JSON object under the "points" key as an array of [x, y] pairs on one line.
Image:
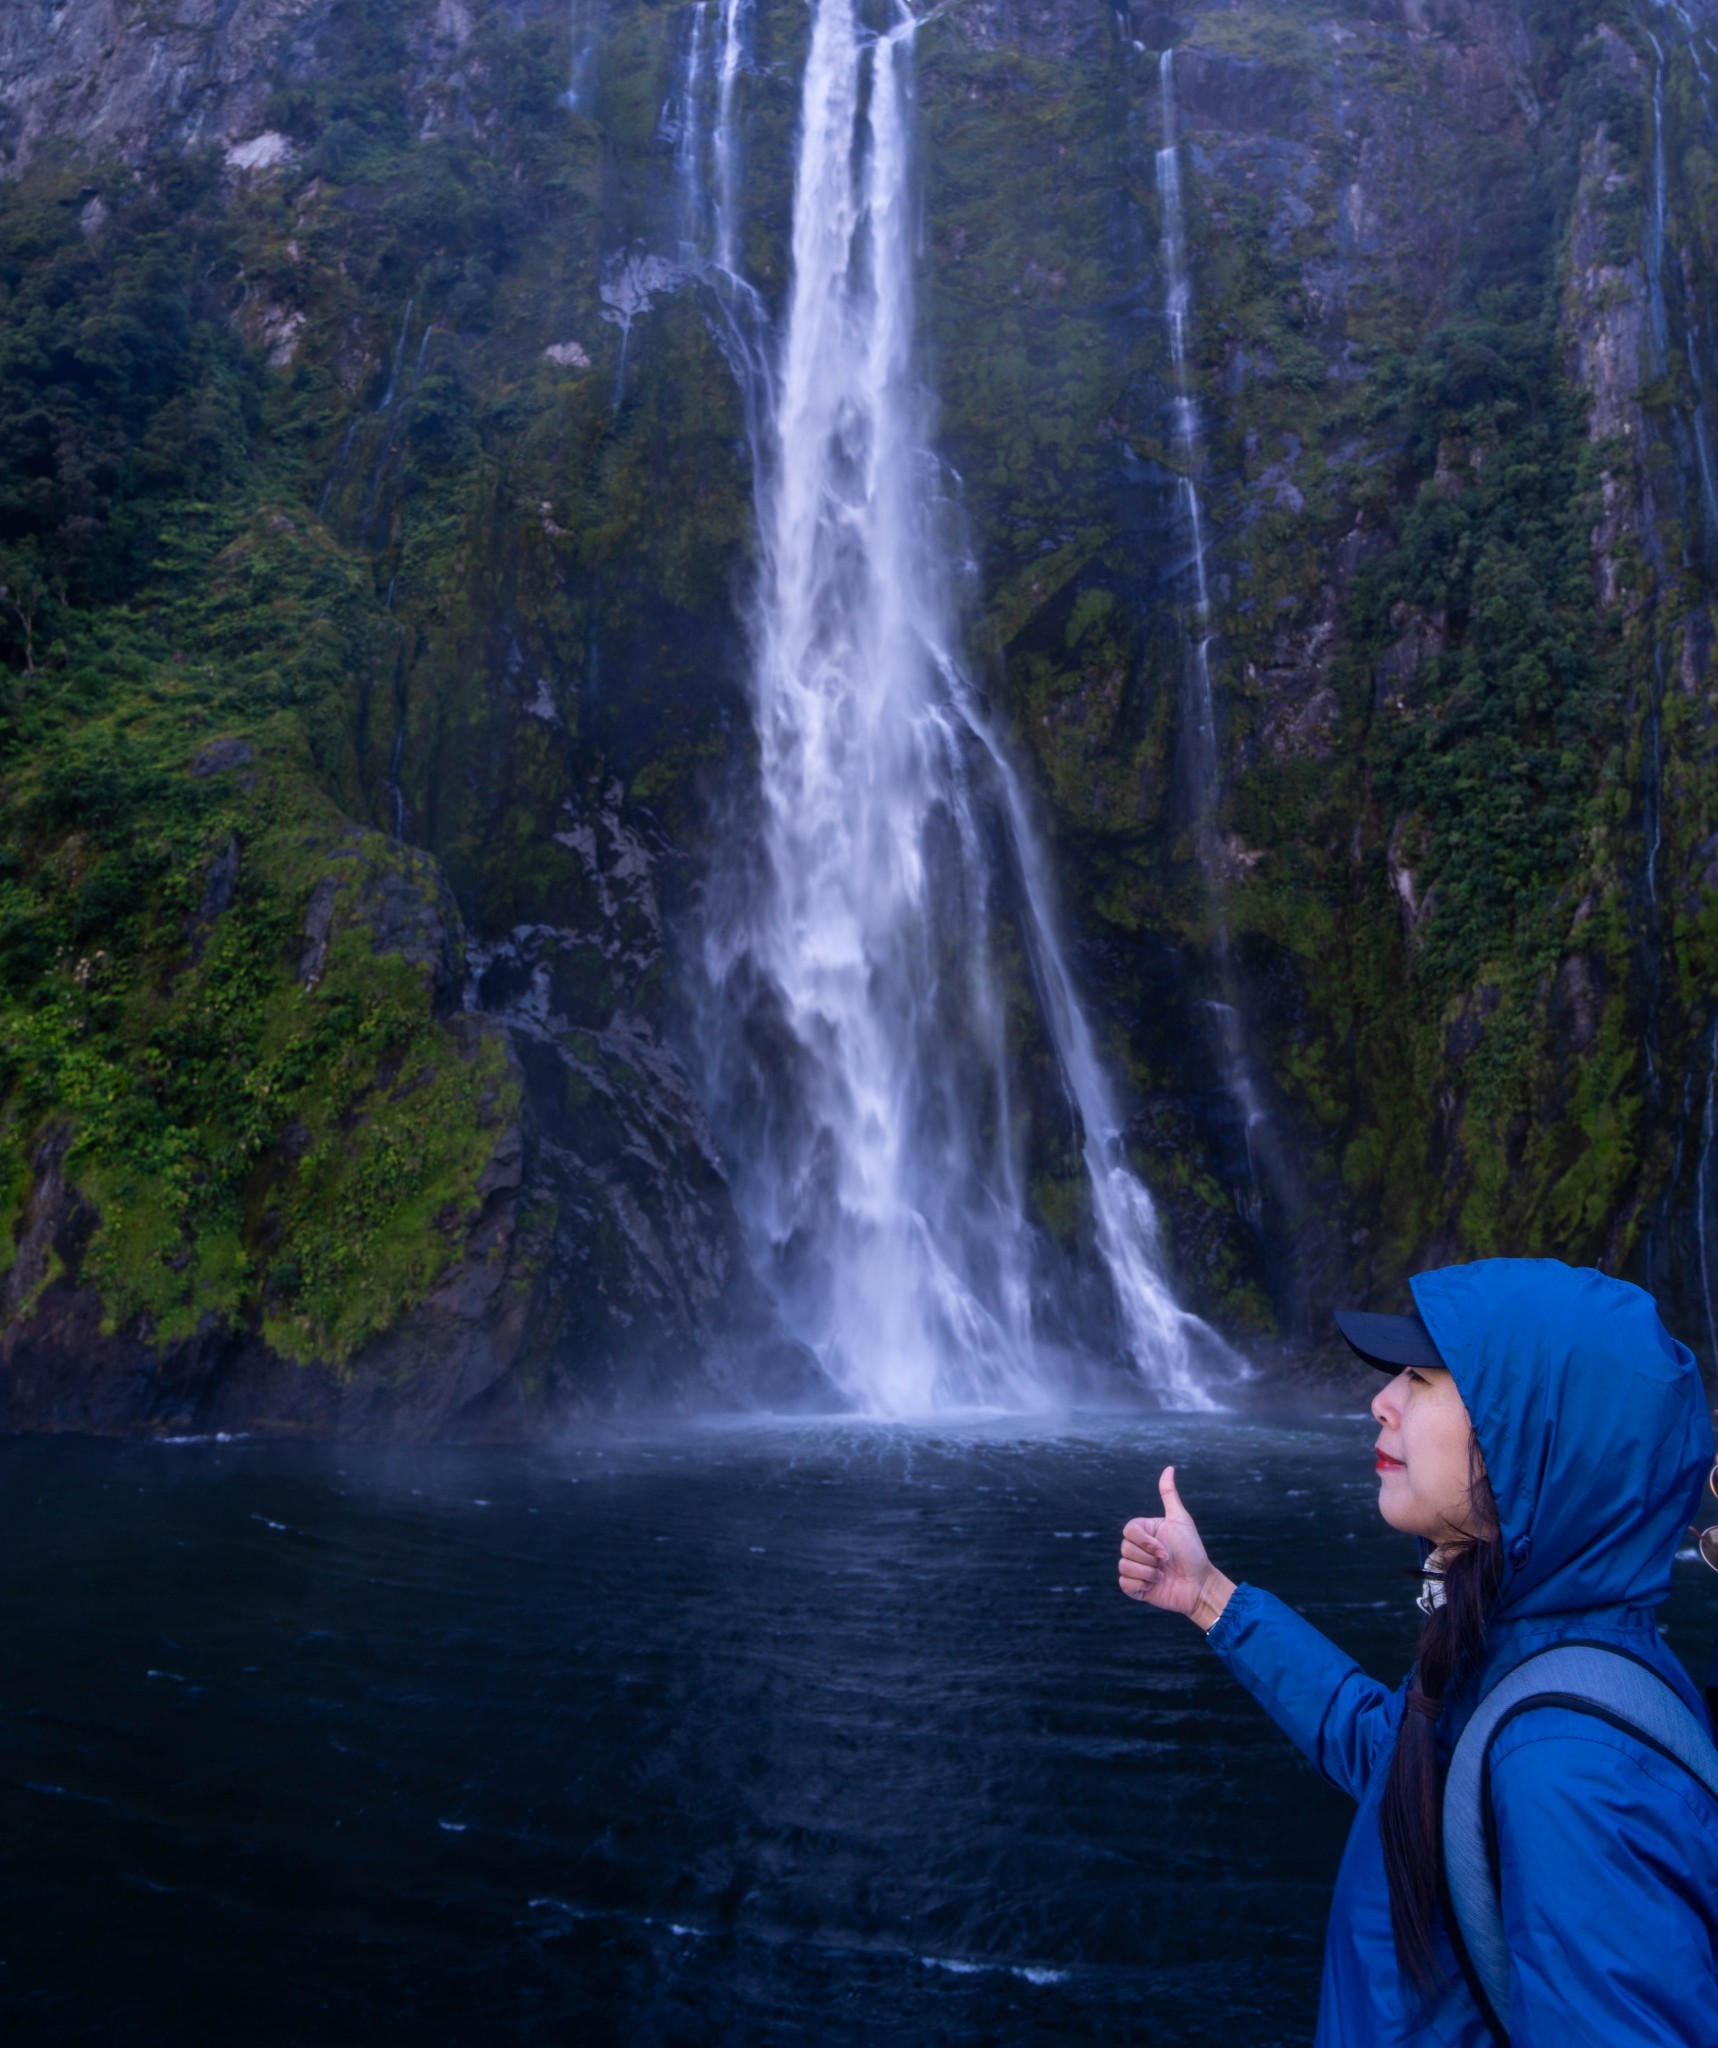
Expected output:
{"points": [[1592, 1422]]}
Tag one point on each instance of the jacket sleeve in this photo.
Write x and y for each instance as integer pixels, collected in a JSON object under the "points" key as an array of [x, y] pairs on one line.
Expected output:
{"points": [[1609, 1866], [1340, 1720]]}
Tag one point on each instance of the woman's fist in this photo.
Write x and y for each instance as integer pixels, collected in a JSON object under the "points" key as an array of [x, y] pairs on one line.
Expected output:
{"points": [[1163, 1562]]}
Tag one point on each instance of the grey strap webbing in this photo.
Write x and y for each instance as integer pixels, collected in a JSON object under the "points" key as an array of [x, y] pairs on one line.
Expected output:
{"points": [[1591, 1678]]}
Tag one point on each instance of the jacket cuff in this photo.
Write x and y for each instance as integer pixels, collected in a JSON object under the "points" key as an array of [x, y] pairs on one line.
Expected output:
{"points": [[1233, 1617]]}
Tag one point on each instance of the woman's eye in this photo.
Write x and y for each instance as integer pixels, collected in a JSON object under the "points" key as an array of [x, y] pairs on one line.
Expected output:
{"points": [[1418, 1379]]}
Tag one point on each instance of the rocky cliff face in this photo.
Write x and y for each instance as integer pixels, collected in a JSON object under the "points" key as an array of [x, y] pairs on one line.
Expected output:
{"points": [[374, 542], [133, 80]]}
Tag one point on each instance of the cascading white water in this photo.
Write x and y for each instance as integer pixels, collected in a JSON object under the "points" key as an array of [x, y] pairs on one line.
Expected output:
{"points": [[689, 131], [879, 1173], [699, 122], [1199, 714], [727, 152]]}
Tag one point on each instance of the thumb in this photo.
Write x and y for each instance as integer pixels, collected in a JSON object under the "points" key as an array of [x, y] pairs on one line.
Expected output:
{"points": [[1172, 1504]]}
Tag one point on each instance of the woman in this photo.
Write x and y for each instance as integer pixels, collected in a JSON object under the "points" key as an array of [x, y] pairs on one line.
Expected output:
{"points": [[1547, 1440]]}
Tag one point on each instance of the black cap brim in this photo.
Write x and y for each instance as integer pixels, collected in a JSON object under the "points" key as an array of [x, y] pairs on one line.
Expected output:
{"points": [[1390, 1343]]}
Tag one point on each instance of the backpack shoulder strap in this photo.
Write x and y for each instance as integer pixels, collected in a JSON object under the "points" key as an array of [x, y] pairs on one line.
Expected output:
{"points": [[1591, 1678]]}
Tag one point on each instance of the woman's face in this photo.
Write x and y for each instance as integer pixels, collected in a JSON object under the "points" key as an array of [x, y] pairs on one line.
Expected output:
{"points": [[1423, 1471]]}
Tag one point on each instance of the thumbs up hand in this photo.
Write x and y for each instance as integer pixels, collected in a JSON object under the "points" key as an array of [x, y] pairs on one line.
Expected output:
{"points": [[1163, 1562]]}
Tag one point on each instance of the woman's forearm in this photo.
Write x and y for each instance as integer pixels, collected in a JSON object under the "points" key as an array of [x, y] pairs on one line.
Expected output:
{"points": [[1339, 1719], [1214, 1596]]}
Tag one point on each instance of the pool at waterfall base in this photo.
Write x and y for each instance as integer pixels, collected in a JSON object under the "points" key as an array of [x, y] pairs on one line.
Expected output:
{"points": [[751, 1732]]}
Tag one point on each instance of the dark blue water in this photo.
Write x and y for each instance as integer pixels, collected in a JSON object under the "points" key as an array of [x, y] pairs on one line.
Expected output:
{"points": [[800, 1734]]}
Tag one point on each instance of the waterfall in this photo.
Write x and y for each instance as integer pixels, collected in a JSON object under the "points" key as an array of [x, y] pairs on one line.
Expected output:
{"points": [[396, 794], [1703, 1193], [397, 359], [1658, 320], [687, 130], [1654, 818], [1199, 716], [1687, 20], [581, 56], [726, 252], [1655, 241], [373, 500], [338, 471], [708, 208], [1706, 470], [1656, 251], [862, 1057], [1703, 447]]}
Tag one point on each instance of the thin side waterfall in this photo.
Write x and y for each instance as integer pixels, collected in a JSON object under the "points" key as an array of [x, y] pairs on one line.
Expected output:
{"points": [[338, 471], [1703, 1196], [1199, 716], [1655, 240], [700, 122], [1703, 446], [1658, 321], [396, 794], [1656, 256], [581, 55], [397, 358], [862, 1059], [369, 519], [1695, 36], [727, 150], [689, 131], [1654, 819], [1705, 465], [337, 474]]}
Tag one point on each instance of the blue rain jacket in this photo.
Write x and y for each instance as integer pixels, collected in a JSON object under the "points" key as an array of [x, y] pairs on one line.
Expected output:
{"points": [[1597, 1441]]}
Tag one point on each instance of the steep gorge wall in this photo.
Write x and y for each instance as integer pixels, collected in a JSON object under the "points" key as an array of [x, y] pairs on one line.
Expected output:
{"points": [[460, 587]]}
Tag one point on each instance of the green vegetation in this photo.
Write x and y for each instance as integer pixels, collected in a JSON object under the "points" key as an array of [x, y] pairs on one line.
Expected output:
{"points": [[1501, 746], [123, 387], [252, 1145], [176, 750]]}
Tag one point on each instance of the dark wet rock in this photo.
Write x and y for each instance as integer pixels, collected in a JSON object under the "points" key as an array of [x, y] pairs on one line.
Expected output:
{"points": [[1238, 95], [1577, 1001], [1045, 28], [220, 882], [318, 923], [409, 910], [1424, 635], [223, 879], [220, 755], [63, 1368], [647, 1287]]}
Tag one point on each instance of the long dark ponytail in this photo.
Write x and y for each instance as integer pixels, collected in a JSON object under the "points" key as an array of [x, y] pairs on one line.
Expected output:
{"points": [[1452, 1641]]}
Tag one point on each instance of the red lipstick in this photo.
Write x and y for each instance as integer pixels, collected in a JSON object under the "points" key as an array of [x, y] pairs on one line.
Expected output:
{"points": [[1385, 1463]]}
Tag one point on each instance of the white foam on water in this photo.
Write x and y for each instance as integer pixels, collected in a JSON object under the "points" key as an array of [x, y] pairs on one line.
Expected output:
{"points": [[1028, 1973]]}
